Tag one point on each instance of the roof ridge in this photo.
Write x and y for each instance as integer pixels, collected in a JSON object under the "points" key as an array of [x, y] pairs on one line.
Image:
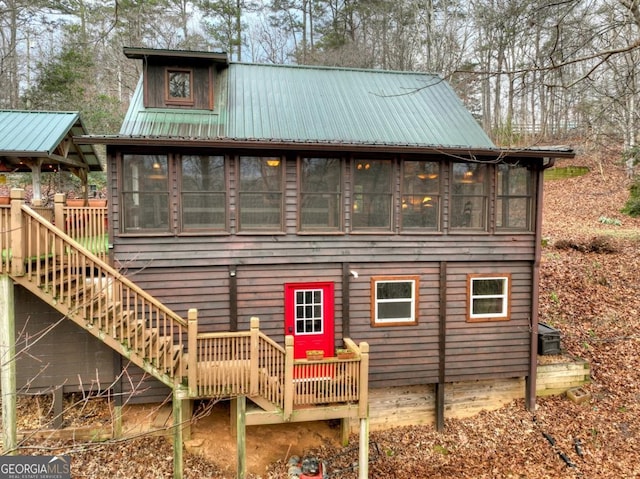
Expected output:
{"points": [[335, 68]]}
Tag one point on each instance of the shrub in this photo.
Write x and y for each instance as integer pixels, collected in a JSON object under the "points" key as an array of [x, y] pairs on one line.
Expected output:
{"points": [[632, 206]]}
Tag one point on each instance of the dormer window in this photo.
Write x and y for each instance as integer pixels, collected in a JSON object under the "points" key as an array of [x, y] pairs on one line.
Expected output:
{"points": [[179, 86]]}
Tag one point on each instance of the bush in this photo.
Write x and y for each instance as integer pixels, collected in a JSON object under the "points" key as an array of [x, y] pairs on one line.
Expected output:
{"points": [[632, 206], [597, 244]]}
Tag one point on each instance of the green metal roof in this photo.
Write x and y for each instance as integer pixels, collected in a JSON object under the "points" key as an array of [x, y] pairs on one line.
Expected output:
{"points": [[309, 104], [38, 134]]}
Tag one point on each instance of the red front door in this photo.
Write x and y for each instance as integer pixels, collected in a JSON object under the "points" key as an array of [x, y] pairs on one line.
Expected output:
{"points": [[309, 317]]}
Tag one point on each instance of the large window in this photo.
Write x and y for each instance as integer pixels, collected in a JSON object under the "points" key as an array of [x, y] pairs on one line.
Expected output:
{"points": [[469, 196], [260, 198], [514, 202], [488, 297], [145, 193], [420, 195], [372, 195], [203, 190], [394, 300], [320, 194]]}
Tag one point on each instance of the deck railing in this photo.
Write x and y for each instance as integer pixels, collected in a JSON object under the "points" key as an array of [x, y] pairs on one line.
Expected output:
{"points": [[223, 365], [91, 289], [251, 364]]}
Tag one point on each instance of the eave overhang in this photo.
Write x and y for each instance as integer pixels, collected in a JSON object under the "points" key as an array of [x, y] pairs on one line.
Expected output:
{"points": [[462, 152]]}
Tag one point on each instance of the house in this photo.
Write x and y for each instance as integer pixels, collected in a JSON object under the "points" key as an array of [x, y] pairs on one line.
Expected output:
{"points": [[331, 203], [344, 208]]}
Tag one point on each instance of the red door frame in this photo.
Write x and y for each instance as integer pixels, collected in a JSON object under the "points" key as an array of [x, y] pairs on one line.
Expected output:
{"points": [[310, 340]]}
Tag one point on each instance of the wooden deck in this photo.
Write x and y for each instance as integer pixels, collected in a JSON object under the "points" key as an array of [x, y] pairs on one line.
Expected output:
{"points": [[64, 263]]}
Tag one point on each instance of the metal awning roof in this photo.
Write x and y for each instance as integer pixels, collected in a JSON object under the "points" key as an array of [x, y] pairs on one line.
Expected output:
{"points": [[45, 136]]}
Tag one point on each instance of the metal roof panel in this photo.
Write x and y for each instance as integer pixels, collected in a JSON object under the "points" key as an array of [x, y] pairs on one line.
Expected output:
{"points": [[37, 134], [318, 104]]}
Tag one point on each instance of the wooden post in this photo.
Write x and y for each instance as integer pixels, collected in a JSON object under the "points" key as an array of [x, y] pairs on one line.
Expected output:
{"points": [[8, 366], [288, 377], [439, 390], [530, 384], [442, 348], [241, 435], [58, 210], [179, 395], [36, 177], [254, 356], [363, 456], [17, 233], [192, 345], [345, 431], [363, 404]]}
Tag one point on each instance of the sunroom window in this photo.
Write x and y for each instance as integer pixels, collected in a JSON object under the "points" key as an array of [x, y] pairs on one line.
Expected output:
{"points": [[320, 194], [203, 191], [372, 195], [469, 196], [260, 193], [145, 193], [514, 199], [488, 297], [394, 300], [420, 195]]}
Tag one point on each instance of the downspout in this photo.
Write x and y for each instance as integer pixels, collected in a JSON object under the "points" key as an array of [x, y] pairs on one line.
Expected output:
{"points": [[530, 393]]}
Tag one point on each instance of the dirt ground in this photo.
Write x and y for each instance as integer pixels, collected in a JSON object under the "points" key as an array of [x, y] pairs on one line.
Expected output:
{"points": [[211, 436]]}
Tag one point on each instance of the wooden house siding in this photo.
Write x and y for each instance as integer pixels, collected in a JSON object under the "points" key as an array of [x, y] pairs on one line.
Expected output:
{"points": [[404, 355], [491, 349], [201, 85]]}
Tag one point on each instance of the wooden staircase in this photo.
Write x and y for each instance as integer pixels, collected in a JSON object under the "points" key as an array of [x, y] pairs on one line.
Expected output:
{"points": [[86, 289]]}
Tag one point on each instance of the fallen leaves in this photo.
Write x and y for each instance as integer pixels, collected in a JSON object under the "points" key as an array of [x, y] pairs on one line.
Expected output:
{"points": [[590, 293]]}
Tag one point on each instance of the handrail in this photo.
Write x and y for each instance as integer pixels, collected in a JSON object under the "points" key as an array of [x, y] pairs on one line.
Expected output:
{"points": [[225, 364], [96, 292], [100, 263]]}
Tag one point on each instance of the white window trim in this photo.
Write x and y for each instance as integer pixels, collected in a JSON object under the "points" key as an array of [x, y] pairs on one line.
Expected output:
{"points": [[505, 314], [295, 305], [413, 319]]}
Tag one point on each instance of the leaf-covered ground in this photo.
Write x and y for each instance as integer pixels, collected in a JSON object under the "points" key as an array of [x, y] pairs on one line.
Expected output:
{"points": [[590, 285]]}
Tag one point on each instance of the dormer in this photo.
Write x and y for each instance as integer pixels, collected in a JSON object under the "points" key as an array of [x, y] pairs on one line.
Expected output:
{"points": [[177, 78]]}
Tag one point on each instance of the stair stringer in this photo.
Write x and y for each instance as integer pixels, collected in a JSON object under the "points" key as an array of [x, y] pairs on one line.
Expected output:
{"points": [[86, 324]]}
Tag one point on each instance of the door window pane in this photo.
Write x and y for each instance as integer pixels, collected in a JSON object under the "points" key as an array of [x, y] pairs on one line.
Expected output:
{"points": [[308, 308]]}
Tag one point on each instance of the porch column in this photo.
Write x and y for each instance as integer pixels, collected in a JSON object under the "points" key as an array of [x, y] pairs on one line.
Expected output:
{"points": [[8, 365]]}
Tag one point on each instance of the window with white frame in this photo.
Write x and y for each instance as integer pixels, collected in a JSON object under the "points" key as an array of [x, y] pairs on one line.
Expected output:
{"points": [[488, 297], [394, 300]]}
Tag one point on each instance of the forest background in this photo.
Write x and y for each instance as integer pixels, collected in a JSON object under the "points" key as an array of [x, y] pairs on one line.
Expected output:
{"points": [[529, 70]]}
